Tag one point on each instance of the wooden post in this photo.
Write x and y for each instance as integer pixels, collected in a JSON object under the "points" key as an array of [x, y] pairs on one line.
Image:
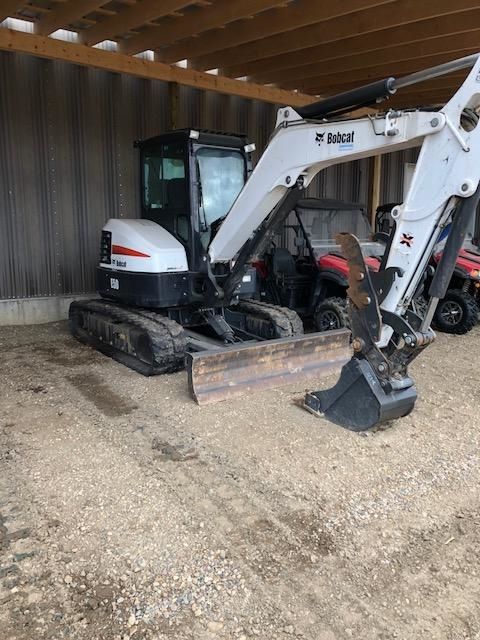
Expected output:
{"points": [[375, 183], [173, 105]]}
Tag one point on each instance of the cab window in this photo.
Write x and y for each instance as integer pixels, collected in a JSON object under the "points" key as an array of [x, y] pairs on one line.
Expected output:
{"points": [[164, 184]]}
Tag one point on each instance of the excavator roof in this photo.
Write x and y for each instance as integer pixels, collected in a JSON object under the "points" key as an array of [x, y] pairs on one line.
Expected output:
{"points": [[202, 136]]}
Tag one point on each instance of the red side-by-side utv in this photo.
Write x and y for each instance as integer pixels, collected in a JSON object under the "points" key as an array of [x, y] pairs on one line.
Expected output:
{"points": [[305, 270]]}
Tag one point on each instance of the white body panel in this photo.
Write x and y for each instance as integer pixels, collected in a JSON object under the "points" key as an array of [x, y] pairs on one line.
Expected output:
{"points": [[300, 148], [162, 252]]}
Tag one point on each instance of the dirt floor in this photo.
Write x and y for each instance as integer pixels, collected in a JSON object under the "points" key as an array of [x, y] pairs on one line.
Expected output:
{"points": [[127, 510]]}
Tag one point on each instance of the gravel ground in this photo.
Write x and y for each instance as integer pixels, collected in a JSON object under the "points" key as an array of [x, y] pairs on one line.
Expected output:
{"points": [[128, 511]]}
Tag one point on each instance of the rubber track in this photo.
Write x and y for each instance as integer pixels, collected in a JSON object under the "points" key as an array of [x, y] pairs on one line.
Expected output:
{"points": [[287, 322], [167, 337]]}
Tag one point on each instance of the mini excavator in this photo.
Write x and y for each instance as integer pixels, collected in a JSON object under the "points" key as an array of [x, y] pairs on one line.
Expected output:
{"points": [[178, 283]]}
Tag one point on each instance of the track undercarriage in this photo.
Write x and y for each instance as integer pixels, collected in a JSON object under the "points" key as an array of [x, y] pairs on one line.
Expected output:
{"points": [[152, 343], [257, 345]]}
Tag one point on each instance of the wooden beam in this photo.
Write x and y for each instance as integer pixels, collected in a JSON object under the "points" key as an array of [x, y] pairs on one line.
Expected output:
{"points": [[10, 7], [364, 76], [44, 47], [173, 99], [64, 14], [375, 187], [297, 14], [447, 45], [263, 70], [427, 98], [213, 17], [129, 18], [360, 22]]}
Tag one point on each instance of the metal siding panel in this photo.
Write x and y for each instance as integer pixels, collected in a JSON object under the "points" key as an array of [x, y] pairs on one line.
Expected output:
{"points": [[27, 261], [67, 163], [393, 166]]}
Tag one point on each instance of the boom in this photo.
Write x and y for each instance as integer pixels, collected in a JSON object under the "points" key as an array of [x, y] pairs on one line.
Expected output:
{"points": [[447, 173]]}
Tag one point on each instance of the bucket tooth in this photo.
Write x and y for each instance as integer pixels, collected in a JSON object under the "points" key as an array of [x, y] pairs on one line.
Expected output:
{"points": [[235, 370], [358, 401]]}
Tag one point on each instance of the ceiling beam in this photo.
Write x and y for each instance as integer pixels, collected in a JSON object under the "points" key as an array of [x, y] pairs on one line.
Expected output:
{"points": [[264, 69], [64, 14], [195, 22], [367, 21], [365, 76], [426, 98], [269, 23], [9, 8], [400, 53], [129, 18], [51, 48]]}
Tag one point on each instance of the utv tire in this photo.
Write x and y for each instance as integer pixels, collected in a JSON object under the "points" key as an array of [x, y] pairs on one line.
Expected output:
{"points": [[456, 313], [331, 314]]}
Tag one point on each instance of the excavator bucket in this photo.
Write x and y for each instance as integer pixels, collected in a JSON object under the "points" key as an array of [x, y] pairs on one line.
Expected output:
{"points": [[215, 375], [358, 401]]}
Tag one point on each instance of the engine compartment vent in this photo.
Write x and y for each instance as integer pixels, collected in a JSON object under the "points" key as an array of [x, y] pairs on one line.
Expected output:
{"points": [[106, 247]]}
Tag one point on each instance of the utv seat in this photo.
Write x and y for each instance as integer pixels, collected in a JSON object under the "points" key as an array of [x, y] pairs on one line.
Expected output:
{"points": [[283, 263], [293, 287]]}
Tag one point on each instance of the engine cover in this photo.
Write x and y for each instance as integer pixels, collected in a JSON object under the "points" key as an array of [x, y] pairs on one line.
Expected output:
{"points": [[141, 246]]}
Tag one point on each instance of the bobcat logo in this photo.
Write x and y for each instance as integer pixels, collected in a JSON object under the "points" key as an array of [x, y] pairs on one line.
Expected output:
{"points": [[319, 138]]}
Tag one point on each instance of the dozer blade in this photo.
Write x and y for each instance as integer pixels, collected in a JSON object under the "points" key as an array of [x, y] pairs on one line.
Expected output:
{"points": [[358, 401], [222, 374]]}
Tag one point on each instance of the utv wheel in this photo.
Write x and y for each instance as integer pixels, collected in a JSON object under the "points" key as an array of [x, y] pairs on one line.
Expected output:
{"points": [[331, 314], [456, 313]]}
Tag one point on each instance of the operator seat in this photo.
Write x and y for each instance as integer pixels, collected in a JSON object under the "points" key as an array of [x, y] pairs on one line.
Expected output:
{"points": [[177, 204], [177, 197]]}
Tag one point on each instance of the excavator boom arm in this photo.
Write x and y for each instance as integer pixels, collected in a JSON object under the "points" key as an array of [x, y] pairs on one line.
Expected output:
{"points": [[387, 335], [448, 168]]}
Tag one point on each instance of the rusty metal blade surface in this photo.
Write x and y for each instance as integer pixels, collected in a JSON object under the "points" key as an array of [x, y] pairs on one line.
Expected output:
{"points": [[219, 375]]}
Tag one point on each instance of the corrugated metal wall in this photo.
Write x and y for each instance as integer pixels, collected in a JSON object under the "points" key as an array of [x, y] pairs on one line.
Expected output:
{"points": [[67, 163], [66, 166], [393, 168]]}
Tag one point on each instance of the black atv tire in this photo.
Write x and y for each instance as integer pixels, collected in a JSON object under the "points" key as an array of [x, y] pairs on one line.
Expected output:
{"points": [[456, 313], [331, 314]]}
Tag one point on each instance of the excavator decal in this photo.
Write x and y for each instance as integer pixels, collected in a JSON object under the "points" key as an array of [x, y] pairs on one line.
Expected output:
{"points": [[407, 239], [125, 251]]}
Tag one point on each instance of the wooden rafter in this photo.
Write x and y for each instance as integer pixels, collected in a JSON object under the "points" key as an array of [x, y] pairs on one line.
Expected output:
{"points": [[9, 8], [196, 22], [264, 70], [296, 15], [64, 14], [131, 17], [386, 16], [427, 98], [444, 45], [44, 47]]}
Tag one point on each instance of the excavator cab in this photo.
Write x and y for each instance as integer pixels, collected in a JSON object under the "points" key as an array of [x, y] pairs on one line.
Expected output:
{"points": [[189, 181]]}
